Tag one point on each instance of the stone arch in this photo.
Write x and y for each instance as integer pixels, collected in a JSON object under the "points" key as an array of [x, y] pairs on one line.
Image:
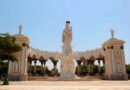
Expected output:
{"points": [[41, 58], [34, 57], [100, 57], [82, 58], [51, 58], [92, 58]]}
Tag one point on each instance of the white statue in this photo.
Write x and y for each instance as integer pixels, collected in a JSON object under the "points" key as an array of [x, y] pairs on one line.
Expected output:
{"points": [[67, 39], [67, 63]]}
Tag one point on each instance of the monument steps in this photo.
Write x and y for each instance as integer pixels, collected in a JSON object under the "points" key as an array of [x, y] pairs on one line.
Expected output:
{"points": [[54, 78]]}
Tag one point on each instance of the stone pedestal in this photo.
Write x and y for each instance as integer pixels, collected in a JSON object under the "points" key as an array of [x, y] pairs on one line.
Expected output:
{"points": [[24, 77], [17, 77], [67, 68], [115, 60]]}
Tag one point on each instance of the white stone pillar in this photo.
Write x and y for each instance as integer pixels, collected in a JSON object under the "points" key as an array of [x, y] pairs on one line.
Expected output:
{"points": [[18, 70], [99, 69], [114, 60]]}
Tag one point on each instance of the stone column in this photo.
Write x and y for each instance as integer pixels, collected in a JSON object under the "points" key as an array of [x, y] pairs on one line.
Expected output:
{"points": [[78, 67], [44, 63], [41, 67], [30, 64], [92, 67], [87, 66], [35, 67], [99, 69], [84, 62], [89, 70], [55, 67], [103, 64]]}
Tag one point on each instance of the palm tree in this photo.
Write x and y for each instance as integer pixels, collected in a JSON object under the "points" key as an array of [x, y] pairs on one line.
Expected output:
{"points": [[7, 49]]}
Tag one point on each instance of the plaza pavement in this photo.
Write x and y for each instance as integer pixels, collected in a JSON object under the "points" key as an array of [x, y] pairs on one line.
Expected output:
{"points": [[67, 85]]}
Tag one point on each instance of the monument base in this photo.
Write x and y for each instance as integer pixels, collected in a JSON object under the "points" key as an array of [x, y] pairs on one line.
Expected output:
{"points": [[67, 68], [117, 76], [67, 76], [17, 77]]}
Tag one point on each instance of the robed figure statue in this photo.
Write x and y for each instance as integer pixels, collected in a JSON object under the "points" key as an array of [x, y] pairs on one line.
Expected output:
{"points": [[67, 68], [67, 39]]}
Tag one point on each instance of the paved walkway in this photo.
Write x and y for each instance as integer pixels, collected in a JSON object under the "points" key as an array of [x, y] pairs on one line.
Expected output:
{"points": [[67, 85]]}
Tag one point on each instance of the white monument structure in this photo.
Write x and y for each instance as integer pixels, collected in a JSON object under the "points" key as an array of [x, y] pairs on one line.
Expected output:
{"points": [[115, 58], [67, 63], [111, 54]]}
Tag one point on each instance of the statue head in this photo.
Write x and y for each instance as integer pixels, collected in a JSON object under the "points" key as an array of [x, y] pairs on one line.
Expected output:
{"points": [[67, 24], [68, 21]]}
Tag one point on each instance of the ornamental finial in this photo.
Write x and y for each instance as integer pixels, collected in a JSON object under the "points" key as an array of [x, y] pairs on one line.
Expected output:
{"points": [[20, 29], [112, 33]]}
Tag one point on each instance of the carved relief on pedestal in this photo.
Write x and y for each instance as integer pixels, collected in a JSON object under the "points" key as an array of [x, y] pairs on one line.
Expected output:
{"points": [[16, 67]]}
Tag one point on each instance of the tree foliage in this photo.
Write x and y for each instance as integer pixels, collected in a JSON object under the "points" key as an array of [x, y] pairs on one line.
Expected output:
{"points": [[83, 69], [8, 47], [128, 68]]}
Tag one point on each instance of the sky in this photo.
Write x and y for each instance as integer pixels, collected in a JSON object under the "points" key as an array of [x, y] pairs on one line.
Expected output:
{"points": [[43, 22]]}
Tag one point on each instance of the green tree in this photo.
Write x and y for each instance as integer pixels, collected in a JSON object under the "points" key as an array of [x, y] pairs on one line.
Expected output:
{"points": [[128, 68], [7, 49]]}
